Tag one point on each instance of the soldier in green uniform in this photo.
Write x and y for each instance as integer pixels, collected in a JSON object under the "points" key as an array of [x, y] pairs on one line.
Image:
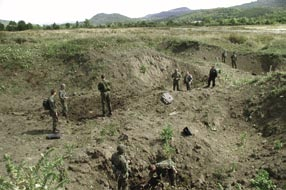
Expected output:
{"points": [[223, 56], [120, 168], [234, 60], [53, 110], [104, 88], [176, 79], [63, 99], [161, 169]]}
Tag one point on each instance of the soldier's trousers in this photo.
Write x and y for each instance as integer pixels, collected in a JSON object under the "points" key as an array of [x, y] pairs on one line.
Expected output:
{"points": [[55, 121], [64, 108], [105, 100], [122, 183], [188, 85], [233, 64], [176, 85], [211, 80]]}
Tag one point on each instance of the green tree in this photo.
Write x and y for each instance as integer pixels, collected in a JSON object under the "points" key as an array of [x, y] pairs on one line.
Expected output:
{"points": [[86, 23], [68, 25], [21, 25], [55, 26], [2, 27], [30, 26], [12, 26]]}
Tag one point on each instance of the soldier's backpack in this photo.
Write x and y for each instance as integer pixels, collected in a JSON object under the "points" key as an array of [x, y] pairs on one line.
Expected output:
{"points": [[46, 104], [166, 98]]}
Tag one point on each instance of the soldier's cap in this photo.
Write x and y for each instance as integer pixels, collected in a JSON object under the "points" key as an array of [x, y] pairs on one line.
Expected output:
{"points": [[121, 148], [63, 85]]}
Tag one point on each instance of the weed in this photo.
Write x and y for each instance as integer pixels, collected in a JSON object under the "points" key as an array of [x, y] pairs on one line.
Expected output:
{"points": [[166, 137], [109, 130], [238, 186], [48, 173], [278, 144], [262, 181], [167, 134], [220, 187], [242, 140], [168, 150], [237, 39], [143, 69]]}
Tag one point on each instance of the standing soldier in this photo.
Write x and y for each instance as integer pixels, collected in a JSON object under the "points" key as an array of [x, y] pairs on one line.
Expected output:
{"points": [[120, 168], [63, 98], [212, 76], [53, 110], [233, 60], [176, 78], [188, 80], [223, 56], [104, 88]]}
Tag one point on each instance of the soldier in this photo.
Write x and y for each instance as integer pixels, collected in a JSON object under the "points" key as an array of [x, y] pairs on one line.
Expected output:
{"points": [[188, 80], [120, 168], [53, 110], [233, 60], [161, 169], [176, 78], [212, 76], [104, 88], [63, 98], [223, 56]]}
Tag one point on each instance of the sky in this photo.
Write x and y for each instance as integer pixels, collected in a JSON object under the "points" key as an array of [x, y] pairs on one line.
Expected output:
{"points": [[62, 11]]}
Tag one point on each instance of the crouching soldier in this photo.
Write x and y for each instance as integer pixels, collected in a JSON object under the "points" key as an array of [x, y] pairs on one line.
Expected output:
{"points": [[120, 168], [159, 170]]}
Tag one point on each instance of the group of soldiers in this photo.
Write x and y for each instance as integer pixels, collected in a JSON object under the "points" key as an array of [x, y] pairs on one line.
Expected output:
{"points": [[156, 171], [118, 159], [233, 58]]}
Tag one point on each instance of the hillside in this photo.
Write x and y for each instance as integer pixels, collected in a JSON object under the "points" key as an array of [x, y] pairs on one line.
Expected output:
{"points": [[238, 126], [103, 18], [264, 3], [168, 14]]}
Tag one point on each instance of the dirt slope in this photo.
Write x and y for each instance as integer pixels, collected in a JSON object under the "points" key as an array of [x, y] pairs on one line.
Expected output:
{"points": [[226, 147]]}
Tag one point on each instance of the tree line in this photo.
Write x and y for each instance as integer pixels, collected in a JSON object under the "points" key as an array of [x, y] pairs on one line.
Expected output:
{"points": [[211, 19]]}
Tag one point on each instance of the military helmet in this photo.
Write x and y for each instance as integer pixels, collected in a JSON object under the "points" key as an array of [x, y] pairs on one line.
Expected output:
{"points": [[120, 149]]}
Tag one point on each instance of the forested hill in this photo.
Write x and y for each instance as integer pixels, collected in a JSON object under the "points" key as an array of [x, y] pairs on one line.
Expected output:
{"points": [[103, 18], [264, 3]]}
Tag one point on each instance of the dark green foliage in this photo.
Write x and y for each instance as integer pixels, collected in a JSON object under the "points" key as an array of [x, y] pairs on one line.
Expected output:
{"points": [[2, 27], [262, 181]]}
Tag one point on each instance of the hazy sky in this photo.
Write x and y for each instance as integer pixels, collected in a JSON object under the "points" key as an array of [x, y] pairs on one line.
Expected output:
{"points": [[61, 11]]}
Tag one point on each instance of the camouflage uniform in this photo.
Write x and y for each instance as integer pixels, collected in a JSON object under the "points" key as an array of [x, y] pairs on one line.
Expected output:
{"points": [[161, 169], [53, 112], [233, 60], [223, 56], [176, 78], [120, 168], [104, 88], [212, 76], [63, 97], [188, 80]]}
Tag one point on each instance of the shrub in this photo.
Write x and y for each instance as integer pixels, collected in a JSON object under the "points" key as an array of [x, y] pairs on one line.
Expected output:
{"points": [[278, 145], [237, 39], [167, 134], [262, 181], [48, 173]]}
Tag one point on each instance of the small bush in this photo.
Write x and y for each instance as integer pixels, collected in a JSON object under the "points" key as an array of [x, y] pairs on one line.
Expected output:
{"points": [[237, 39], [262, 181], [167, 134], [278, 145], [48, 173]]}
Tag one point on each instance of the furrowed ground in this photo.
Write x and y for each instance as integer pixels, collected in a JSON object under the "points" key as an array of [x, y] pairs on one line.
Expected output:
{"points": [[237, 126]]}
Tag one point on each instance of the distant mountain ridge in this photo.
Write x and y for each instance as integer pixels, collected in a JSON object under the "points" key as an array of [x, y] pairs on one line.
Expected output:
{"points": [[168, 14], [103, 18], [264, 3]]}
